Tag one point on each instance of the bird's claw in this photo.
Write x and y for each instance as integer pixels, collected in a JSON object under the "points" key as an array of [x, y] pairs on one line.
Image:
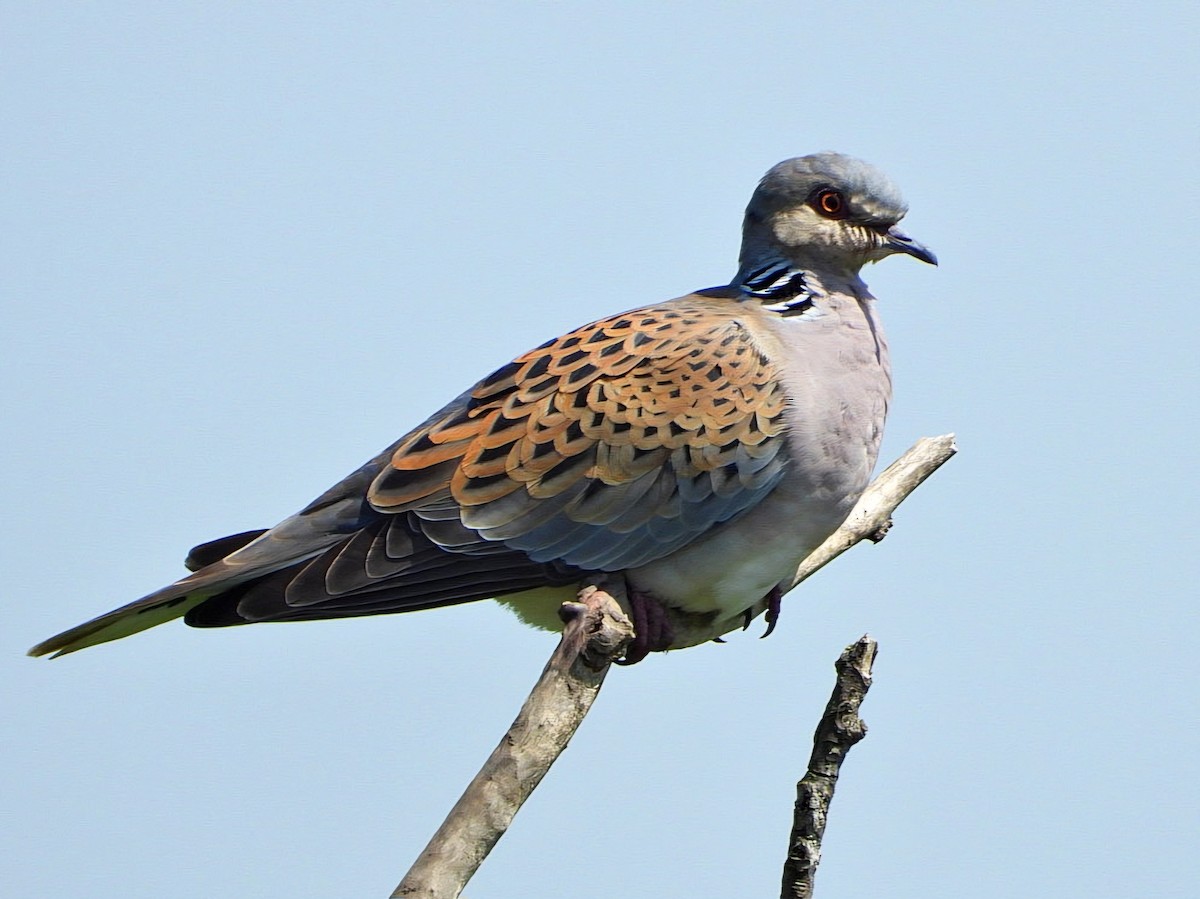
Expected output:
{"points": [[774, 604]]}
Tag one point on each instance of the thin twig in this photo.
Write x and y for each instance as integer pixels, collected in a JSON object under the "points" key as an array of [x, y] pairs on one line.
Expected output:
{"points": [[596, 632], [839, 729]]}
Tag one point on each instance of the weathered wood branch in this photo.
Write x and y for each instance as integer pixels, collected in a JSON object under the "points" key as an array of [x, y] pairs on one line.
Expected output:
{"points": [[596, 632], [839, 729]]}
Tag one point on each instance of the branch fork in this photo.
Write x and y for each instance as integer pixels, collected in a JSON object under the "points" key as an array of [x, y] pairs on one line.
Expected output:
{"points": [[596, 632]]}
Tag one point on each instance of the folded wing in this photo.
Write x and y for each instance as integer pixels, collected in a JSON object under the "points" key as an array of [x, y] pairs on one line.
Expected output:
{"points": [[601, 450]]}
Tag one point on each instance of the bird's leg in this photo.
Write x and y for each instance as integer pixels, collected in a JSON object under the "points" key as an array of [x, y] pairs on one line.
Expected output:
{"points": [[652, 631], [774, 603]]}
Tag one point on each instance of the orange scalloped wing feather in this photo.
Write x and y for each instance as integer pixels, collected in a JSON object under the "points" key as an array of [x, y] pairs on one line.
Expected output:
{"points": [[610, 446]]}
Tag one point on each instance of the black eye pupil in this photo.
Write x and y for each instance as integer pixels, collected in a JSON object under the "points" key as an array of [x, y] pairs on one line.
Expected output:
{"points": [[830, 202]]}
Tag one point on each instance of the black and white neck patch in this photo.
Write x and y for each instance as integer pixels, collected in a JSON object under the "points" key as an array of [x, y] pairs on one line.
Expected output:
{"points": [[783, 283]]}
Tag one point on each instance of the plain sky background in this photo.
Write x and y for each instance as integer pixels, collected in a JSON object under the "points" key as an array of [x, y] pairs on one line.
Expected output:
{"points": [[247, 245]]}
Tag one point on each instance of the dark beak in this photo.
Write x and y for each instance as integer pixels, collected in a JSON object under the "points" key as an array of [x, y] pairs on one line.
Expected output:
{"points": [[899, 242]]}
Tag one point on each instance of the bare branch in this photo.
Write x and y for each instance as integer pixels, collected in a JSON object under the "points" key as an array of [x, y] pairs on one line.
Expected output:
{"points": [[839, 729], [596, 632], [872, 515]]}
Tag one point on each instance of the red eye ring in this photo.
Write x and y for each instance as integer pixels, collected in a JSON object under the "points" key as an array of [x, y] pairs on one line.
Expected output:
{"points": [[830, 203]]}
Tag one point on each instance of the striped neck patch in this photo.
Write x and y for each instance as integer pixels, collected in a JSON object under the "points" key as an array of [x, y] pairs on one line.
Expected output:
{"points": [[781, 282]]}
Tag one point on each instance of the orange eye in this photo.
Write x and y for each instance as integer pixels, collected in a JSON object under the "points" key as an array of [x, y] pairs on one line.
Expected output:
{"points": [[830, 203]]}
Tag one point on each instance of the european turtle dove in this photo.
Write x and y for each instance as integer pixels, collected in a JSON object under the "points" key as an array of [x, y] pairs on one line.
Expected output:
{"points": [[702, 447]]}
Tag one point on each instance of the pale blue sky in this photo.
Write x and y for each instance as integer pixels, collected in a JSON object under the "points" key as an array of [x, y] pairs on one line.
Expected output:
{"points": [[248, 245]]}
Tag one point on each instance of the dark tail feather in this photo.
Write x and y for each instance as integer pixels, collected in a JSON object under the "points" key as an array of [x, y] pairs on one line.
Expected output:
{"points": [[215, 550], [157, 608]]}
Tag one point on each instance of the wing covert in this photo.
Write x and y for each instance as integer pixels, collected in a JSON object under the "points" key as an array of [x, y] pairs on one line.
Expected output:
{"points": [[606, 448]]}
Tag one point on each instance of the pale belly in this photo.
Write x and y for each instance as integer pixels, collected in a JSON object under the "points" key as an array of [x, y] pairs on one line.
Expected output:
{"points": [[722, 575], [732, 568]]}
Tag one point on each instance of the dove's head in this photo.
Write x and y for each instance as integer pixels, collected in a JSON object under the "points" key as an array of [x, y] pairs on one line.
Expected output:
{"points": [[827, 211]]}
